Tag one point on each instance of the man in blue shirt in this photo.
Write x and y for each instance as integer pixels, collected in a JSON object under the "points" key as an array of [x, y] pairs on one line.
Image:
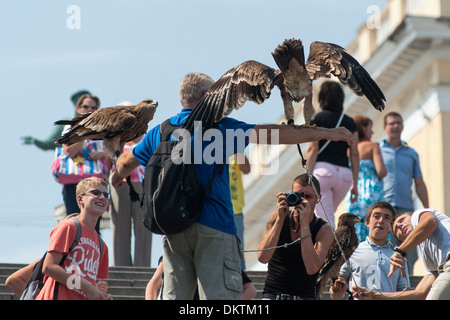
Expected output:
{"points": [[403, 167], [369, 265], [207, 253]]}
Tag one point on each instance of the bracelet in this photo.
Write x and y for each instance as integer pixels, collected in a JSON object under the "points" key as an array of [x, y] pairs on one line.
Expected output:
{"points": [[403, 253]]}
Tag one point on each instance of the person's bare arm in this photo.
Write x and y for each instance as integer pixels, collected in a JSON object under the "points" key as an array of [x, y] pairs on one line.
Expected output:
{"points": [[19, 279], [273, 229], [419, 293], [311, 154], [52, 268], [154, 284], [73, 149], [313, 254], [286, 134], [271, 237], [378, 161], [425, 228], [124, 167], [354, 161]]}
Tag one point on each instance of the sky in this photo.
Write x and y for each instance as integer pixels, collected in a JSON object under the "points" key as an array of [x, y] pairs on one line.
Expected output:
{"points": [[128, 50]]}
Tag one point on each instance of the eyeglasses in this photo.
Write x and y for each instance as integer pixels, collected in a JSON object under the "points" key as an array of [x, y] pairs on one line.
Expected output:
{"points": [[85, 106], [394, 123], [98, 193]]}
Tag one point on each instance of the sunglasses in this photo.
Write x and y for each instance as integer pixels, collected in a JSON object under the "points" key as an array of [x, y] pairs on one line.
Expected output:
{"points": [[98, 193], [85, 106]]}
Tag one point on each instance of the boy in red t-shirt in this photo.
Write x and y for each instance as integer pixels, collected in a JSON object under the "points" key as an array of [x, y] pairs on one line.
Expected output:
{"points": [[78, 275]]}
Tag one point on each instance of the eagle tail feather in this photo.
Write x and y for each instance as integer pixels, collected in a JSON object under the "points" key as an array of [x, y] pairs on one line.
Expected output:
{"points": [[288, 50]]}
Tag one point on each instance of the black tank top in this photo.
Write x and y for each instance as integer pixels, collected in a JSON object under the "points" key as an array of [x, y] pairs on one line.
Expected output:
{"points": [[286, 273]]}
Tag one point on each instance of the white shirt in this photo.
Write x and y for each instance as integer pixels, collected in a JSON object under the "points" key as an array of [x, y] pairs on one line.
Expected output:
{"points": [[436, 249]]}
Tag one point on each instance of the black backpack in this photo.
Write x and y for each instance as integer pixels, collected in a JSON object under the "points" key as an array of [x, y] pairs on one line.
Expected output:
{"points": [[173, 196], [36, 280]]}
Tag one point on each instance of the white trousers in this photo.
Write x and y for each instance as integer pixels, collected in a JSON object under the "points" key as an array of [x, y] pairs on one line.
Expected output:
{"points": [[335, 181]]}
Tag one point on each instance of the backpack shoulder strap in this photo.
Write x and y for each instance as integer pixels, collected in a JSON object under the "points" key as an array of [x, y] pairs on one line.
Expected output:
{"points": [[78, 234], [166, 129], [100, 241], [74, 243]]}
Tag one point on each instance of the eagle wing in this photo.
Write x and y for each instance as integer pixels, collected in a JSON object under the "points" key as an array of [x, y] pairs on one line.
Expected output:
{"points": [[334, 253], [327, 58], [348, 241], [249, 81]]}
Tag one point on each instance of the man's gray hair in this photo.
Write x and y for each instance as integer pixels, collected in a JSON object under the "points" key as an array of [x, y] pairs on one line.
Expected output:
{"points": [[192, 88]]}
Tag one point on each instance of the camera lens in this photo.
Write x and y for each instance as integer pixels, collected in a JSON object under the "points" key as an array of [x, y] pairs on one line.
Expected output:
{"points": [[294, 198]]}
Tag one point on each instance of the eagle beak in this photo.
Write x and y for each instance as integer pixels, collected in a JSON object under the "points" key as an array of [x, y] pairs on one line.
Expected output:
{"points": [[150, 103], [357, 219]]}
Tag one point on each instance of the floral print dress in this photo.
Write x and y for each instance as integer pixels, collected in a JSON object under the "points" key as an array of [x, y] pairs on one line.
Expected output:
{"points": [[370, 190]]}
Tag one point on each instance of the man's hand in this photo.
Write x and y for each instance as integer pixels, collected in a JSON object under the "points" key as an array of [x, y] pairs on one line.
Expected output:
{"points": [[339, 134], [27, 140], [305, 212], [97, 155], [282, 205], [93, 292], [116, 180], [362, 293], [340, 285], [125, 165], [397, 262]]}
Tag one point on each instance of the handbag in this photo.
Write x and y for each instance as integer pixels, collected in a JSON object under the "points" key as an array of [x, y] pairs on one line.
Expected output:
{"points": [[66, 170]]}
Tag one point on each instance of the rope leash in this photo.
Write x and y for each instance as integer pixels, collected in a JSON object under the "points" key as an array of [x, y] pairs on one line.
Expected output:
{"points": [[281, 246]]}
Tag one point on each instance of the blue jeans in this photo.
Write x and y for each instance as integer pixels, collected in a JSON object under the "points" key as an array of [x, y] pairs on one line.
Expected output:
{"points": [[70, 198]]}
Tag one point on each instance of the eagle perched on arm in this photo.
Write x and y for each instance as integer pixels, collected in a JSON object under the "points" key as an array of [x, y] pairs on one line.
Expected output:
{"points": [[253, 81], [348, 242], [114, 125]]}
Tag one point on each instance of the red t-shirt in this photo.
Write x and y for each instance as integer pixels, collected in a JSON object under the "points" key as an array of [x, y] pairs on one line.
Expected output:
{"points": [[83, 260]]}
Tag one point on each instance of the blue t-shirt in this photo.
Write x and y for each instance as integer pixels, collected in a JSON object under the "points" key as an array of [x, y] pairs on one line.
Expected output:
{"points": [[231, 136], [402, 166]]}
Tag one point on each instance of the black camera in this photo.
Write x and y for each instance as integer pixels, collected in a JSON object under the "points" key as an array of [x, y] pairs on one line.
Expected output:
{"points": [[294, 198]]}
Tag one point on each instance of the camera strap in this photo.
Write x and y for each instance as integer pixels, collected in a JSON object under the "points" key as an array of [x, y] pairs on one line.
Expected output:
{"points": [[292, 223]]}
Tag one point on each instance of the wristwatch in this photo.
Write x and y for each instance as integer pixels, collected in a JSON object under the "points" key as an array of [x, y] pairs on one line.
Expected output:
{"points": [[397, 249]]}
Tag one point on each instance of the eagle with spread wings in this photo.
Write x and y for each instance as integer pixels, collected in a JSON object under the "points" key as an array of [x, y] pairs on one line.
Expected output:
{"points": [[114, 125], [254, 81], [347, 240]]}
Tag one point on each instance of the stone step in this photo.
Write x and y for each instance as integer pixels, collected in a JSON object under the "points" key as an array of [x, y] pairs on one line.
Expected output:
{"points": [[129, 283]]}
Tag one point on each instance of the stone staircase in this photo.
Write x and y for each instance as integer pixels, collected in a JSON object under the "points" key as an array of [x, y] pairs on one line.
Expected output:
{"points": [[128, 283]]}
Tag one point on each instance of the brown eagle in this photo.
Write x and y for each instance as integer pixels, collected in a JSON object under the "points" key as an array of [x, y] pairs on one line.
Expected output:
{"points": [[114, 125], [253, 81], [348, 241]]}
